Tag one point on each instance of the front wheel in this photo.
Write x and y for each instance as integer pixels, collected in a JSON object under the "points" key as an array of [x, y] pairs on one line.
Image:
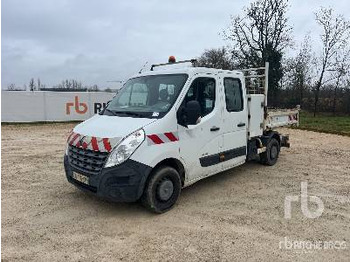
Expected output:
{"points": [[270, 156], [162, 190]]}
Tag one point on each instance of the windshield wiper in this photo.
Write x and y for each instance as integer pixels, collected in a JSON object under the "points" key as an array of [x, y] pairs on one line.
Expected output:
{"points": [[129, 113], [116, 113]]}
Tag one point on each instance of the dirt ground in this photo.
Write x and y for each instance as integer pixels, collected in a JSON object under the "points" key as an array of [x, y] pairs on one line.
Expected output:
{"points": [[235, 215]]}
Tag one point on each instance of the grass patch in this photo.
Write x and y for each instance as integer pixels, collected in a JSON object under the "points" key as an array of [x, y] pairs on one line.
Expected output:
{"points": [[325, 123]]}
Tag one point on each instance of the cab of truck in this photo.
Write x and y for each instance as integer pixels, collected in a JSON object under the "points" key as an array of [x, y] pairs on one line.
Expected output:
{"points": [[166, 129]]}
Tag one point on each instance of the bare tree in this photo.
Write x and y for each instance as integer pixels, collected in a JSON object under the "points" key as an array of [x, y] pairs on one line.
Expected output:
{"points": [[336, 30], [74, 84], [346, 100], [298, 70], [39, 84], [69, 84], [11, 87], [341, 68], [216, 58], [93, 88], [260, 36], [31, 84]]}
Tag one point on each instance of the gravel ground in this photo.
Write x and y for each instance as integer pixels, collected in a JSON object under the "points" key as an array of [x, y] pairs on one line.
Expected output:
{"points": [[235, 215]]}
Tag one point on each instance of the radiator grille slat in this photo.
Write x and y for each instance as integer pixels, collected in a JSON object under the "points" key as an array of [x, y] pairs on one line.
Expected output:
{"points": [[88, 161]]}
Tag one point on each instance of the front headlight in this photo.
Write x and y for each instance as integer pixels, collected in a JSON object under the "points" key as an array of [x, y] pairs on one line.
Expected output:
{"points": [[125, 149]]}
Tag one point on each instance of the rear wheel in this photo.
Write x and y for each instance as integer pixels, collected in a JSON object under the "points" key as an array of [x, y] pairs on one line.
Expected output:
{"points": [[162, 190], [270, 156]]}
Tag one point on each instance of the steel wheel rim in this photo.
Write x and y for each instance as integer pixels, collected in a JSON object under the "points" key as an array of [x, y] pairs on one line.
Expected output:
{"points": [[165, 190]]}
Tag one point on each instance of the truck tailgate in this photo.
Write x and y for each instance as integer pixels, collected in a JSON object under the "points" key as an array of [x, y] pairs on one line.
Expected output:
{"points": [[281, 117]]}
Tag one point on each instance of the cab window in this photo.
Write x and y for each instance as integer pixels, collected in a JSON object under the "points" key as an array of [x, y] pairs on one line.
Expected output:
{"points": [[139, 95], [202, 89], [233, 95]]}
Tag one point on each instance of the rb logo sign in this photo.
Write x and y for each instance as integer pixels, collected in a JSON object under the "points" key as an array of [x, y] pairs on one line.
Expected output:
{"points": [[80, 108]]}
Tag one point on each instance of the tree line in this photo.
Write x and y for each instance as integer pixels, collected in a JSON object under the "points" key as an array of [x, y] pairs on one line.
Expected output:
{"points": [[316, 80], [68, 85]]}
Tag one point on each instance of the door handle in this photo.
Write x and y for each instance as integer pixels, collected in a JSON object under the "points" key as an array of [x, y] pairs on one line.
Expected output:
{"points": [[215, 128], [241, 124]]}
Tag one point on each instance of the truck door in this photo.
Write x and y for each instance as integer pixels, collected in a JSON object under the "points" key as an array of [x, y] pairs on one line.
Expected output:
{"points": [[199, 144], [234, 121]]}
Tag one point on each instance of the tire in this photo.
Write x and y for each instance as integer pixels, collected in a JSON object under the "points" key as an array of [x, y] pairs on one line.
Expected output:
{"points": [[162, 190], [270, 156]]}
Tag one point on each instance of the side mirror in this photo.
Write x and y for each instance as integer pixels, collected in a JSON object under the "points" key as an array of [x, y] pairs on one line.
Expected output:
{"points": [[193, 112]]}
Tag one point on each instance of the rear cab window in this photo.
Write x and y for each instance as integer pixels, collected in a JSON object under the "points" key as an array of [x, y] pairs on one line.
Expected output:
{"points": [[233, 94]]}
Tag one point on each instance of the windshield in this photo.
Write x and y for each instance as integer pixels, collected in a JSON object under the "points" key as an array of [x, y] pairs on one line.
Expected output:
{"points": [[147, 96]]}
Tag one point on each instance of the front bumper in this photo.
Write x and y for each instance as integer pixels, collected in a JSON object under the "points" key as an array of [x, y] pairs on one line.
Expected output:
{"points": [[122, 183]]}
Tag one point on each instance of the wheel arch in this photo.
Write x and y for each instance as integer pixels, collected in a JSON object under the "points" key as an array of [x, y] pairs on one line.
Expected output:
{"points": [[174, 163], [269, 135]]}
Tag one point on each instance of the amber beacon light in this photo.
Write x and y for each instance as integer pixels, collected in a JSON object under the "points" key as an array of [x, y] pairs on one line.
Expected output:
{"points": [[172, 59]]}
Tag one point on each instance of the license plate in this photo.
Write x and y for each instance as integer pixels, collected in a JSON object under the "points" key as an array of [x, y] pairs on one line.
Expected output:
{"points": [[81, 178]]}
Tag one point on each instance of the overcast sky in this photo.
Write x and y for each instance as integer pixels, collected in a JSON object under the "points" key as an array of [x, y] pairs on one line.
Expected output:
{"points": [[98, 41]]}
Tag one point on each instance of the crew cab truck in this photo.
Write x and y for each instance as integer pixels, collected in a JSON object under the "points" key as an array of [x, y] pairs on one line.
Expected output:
{"points": [[172, 126]]}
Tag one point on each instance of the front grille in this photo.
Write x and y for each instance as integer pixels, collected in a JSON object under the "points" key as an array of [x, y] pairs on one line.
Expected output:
{"points": [[85, 160]]}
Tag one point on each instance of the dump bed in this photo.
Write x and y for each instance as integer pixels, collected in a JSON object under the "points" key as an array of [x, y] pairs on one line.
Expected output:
{"points": [[260, 118], [281, 117]]}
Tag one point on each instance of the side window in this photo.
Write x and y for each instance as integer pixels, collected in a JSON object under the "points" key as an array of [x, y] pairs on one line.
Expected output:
{"points": [[202, 89], [233, 95]]}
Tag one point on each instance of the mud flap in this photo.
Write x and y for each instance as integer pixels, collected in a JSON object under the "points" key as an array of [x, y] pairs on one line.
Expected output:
{"points": [[285, 141]]}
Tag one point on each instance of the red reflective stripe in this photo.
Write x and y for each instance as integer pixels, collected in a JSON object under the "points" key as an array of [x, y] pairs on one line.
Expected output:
{"points": [[70, 135], [156, 139], [107, 144], [94, 144], [171, 137], [74, 138], [293, 117], [85, 145]]}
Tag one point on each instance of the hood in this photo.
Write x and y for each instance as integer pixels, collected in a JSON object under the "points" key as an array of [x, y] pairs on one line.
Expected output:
{"points": [[111, 126]]}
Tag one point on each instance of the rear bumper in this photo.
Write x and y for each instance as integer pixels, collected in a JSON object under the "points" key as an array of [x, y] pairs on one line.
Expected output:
{"points": [[122, 183]]}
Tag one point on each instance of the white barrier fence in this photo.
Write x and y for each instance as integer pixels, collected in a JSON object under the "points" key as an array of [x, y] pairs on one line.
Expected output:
{"points": [[24, 106]]}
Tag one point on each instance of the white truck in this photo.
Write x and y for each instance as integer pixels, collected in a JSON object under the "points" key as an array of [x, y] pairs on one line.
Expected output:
{"points": [[172, 126]]}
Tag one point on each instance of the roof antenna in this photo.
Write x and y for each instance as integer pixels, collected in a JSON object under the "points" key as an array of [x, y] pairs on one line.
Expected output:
{"points": [[143, 68]]}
